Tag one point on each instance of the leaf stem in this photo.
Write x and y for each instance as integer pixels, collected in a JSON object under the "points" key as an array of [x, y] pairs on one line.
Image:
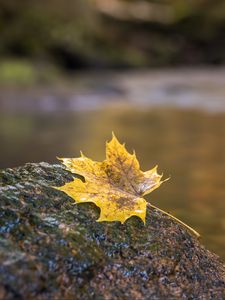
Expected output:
{"points": [[176, 219]]}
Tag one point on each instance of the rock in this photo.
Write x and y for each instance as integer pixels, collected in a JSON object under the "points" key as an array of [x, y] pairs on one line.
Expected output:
{"points": [[51, 248]]}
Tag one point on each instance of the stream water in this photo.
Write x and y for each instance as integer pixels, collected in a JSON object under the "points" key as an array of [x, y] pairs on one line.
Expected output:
{"points": [[175, 119]]}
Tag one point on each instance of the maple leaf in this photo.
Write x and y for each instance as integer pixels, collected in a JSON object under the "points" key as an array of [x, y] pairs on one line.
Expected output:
{"points": [[116, 185]]}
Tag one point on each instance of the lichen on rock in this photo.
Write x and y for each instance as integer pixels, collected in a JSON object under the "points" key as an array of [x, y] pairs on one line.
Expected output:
{"points": [[51, 248]]}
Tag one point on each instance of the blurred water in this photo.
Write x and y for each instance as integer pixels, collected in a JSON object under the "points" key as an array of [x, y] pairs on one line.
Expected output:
{"points": [[186, 141]]}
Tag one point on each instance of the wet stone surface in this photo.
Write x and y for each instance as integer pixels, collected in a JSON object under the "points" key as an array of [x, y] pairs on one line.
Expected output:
{"points": [[51, 248]]}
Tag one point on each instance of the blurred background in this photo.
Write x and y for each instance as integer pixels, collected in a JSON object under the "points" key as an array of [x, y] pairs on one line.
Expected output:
{"points": [[152, 71]]}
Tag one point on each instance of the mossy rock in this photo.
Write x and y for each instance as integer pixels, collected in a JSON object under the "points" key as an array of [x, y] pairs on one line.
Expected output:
{"points": [[51, 248]]}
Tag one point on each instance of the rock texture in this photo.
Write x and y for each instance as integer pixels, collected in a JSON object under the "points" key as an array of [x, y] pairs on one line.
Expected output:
{"points": [[51, 248]]}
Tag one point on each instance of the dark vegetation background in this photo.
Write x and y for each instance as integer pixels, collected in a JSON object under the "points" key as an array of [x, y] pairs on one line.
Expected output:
{"points": [[77, 34]]}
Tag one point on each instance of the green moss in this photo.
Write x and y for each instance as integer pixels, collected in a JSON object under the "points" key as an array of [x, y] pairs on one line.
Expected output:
{"points": [[53, 248], [15, 71], [26, 72]]}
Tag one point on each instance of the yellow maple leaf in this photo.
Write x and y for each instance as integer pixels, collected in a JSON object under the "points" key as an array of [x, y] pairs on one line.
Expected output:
{"points": [[115, 185]]}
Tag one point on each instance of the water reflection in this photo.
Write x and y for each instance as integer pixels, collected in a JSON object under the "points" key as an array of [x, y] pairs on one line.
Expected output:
{"points": [[188, 145]]}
